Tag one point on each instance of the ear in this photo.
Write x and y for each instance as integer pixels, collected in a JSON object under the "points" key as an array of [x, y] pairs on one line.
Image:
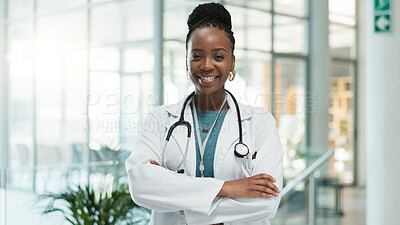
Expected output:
{"points": [[186, 61], [233, 62]]}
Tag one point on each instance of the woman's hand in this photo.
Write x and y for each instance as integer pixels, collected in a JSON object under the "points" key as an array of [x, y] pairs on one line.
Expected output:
{"points": [[154, 162], [258, 186]]}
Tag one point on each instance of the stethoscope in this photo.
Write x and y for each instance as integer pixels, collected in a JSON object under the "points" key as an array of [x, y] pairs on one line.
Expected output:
{"points": [[241, 150]]}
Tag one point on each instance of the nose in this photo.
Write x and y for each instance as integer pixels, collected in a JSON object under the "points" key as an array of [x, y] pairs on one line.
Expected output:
{"points": [[207, 64]]}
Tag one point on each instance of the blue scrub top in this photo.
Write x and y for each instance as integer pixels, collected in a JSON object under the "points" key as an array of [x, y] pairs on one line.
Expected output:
{"points": [[206, 118]]}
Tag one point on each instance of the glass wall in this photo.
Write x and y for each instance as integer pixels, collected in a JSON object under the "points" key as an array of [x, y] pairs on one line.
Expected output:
{"points": [[82, 77], [70, 68], [342, 42]]}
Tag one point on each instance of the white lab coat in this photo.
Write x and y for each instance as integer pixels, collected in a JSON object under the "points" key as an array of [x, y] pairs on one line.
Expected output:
{"points": [[186, 199]]}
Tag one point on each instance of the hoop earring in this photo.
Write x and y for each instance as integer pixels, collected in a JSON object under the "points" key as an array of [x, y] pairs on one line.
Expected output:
{"points": [[232, 75]]}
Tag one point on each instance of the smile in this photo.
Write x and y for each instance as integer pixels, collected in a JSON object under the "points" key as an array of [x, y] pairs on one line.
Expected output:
{"points": [[207, 79]]}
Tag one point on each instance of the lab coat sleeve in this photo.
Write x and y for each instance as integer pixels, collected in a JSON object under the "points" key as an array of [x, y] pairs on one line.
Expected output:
{"points": [[269, 161], [159, 189]]}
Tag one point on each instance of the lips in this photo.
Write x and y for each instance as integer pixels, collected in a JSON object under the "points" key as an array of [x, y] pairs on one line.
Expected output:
{"points": [[207, 79]]}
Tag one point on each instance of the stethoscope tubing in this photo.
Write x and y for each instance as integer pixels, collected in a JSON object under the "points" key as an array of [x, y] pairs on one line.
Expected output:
{"points": [[182, 122], [238, 115]]}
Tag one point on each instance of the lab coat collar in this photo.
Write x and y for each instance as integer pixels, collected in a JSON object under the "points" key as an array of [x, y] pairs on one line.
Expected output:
{"points": [[174, 110], [229, 133]]}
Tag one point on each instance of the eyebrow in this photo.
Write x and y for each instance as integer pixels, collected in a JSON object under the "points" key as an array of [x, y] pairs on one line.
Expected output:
{"points": [[214, 50]]}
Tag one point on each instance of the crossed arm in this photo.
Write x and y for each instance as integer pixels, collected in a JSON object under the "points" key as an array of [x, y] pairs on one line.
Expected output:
{"points": [[258, 186]]}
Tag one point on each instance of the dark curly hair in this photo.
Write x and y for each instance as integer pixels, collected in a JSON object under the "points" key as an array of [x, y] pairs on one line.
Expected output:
{"points": [[210, 15]]}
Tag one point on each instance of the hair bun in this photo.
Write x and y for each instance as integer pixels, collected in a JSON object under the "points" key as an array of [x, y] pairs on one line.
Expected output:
{"points": [[209, 12], [211, 15]]}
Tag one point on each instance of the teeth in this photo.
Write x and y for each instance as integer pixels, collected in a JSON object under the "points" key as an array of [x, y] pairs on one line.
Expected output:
{"points": [[207, 78]]}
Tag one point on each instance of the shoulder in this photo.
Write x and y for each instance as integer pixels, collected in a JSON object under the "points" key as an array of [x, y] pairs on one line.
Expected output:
{"points": [[257, 114], [165, 111]]}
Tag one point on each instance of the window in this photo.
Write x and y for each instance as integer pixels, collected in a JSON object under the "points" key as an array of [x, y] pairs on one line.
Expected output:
{"points": [[73, 82], [342, 42]]}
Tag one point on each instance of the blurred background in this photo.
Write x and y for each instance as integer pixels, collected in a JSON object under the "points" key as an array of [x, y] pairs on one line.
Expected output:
{"points": [[79, 76]]}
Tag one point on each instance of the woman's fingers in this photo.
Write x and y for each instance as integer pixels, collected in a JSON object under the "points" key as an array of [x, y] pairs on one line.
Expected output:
{"points": [[264, 176], [266, 189], [154, 162], [258, 186], [264, 183], [264, 195], [273, 187], [267, 183]]}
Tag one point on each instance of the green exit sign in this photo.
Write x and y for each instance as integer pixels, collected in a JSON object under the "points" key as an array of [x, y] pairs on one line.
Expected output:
{"points": [[383, 16], [382, 5], [382, 23]]}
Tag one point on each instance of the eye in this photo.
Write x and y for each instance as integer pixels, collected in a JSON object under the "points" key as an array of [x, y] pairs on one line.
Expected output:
{"points": [[196, 56], [219, 57]]}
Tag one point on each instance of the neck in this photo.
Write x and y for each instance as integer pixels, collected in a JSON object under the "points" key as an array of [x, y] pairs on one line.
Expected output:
{"points": [[210, 101]]}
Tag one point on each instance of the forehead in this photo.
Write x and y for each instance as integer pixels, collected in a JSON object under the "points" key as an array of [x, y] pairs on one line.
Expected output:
{"points": [[208, 38]]}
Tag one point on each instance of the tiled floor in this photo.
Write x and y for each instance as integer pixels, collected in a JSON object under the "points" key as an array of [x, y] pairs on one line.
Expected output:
{"points": [[353, 208], [353, 205]]}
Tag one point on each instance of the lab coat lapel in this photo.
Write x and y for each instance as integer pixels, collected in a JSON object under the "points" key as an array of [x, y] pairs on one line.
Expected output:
{"points": [[179, 135], [229, 134]]}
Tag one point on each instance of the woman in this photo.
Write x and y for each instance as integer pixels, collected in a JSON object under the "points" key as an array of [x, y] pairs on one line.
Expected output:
{"points": [[213, 182]]}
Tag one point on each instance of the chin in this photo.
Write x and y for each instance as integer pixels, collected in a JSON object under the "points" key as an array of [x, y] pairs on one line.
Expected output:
{"points": [[209, 91]]}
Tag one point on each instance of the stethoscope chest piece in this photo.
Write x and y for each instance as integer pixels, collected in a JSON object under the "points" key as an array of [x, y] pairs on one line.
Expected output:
{"points": [[241, 150]]}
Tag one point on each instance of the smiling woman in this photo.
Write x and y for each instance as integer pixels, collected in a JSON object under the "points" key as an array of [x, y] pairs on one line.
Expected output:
{"points": [[218, 177], [210, 59]]}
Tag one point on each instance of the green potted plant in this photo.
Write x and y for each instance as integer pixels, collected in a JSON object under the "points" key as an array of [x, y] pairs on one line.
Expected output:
{"points": [[85, 207], [104, 201]]}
